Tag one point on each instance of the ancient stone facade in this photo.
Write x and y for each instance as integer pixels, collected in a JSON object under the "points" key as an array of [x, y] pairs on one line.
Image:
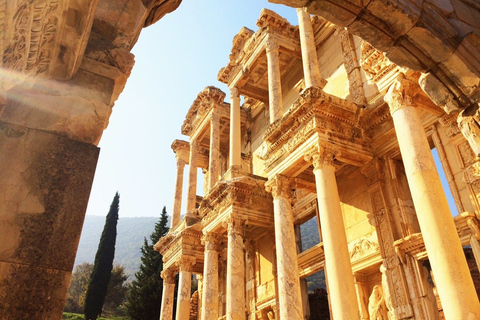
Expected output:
{"points": [[334, 128], [63, 65]]}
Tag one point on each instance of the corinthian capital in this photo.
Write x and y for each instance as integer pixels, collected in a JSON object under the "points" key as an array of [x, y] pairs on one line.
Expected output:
{"points": [[271, 45], [401, 93], [235, 225], [321, 156], [186, 263], [279, 186], [168, 276], [211, 240], [234, 92]]}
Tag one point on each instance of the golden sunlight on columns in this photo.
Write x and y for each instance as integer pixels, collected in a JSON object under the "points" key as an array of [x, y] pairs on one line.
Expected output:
{"points": [[235, 135], [177, 201], [184, 287], [235, 270], [274, 81], [311, 69], [210, 277], [192, 178], [450, 270], [214, 157], [342, 294], [289, 295], [166, 312]]}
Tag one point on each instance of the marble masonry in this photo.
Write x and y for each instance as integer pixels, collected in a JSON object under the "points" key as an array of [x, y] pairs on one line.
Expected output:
{"points": [[63, 65], [336, 120]]}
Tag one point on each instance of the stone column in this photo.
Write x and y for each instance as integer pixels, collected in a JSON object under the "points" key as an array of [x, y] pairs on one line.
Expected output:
{"points": [[210, 277], [184, 287], [192, 179], [214, 157], [289, 294], [166, 312], [235, 270], [235, 127], [274, 81], [311, 69], [343, 298], [450, 270], [177, 201]]}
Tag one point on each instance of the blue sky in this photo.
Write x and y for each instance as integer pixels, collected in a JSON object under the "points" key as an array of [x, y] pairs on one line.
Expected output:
{"points": [[176, 58]]}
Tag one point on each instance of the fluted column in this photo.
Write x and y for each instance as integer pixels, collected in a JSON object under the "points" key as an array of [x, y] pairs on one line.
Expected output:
{"points": [[214, 157], [210, 277], [343, 298], [192, 178], [274, 81], [289, 294], [235, 127], [449, 266], [311, 69], [166, 311], [184, 287], [235, 270], [177, 201]]}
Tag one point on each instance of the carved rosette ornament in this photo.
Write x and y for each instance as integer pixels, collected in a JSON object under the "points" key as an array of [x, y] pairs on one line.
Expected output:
{"points": [[168, 276], [279, 186], [321, 156], [400, 94]]}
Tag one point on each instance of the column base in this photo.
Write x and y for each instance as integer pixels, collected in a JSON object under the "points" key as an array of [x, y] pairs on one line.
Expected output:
{"points": [[234, 172]]}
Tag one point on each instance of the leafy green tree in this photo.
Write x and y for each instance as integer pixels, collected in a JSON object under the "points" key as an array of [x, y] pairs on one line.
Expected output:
{"points": [[102, 268], [78, 287], [116, 293], [145, 291]]}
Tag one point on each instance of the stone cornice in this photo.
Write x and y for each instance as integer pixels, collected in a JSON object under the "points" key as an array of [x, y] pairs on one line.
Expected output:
{"points": [[201, 106], [273, 21]]}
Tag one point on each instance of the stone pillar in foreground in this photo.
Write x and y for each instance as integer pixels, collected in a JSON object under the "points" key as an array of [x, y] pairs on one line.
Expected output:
{"points": [[45, 182], [452, 277], [177, 201], [311, 68], [342, 294], [192, 179], [184, 288], [235, 123], [210, 277], [166, 311], [289, 294], [235, 270], [214, 157], [274, 81]]}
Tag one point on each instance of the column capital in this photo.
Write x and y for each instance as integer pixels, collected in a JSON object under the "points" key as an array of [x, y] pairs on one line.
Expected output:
{"points": [[168, 276], [234, 93], [271, 45], [401, 94], [235, 225], [279, 186], [185, 263], [211, 240], [321, 155]]}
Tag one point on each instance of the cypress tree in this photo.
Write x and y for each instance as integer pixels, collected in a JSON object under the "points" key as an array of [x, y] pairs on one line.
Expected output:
{"points": [[145, 294], [102, 269]]}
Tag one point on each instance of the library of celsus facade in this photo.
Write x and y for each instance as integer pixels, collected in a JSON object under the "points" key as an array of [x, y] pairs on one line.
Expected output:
{"points": [[318, 124]]}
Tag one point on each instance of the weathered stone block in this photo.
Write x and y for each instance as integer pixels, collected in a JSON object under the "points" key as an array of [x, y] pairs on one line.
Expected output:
{"points": [[372, 30], [42, 296], [439, 94], [404, 53], [291, 3], [339, 12], [45, 183]]}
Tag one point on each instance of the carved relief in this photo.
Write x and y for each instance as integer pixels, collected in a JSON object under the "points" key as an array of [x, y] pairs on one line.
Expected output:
{"points": [[401, 93], [353, 68], [279, 186], [362, 247]]}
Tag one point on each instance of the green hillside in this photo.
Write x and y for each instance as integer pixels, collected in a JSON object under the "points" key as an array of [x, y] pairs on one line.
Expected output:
{"points": [[130, 234]]}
